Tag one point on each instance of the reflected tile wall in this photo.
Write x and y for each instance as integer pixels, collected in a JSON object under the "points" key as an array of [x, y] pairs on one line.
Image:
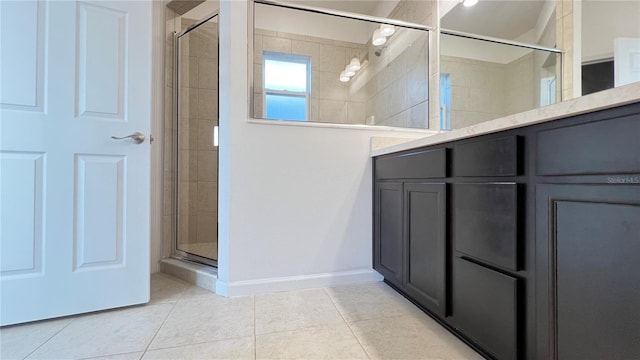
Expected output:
{"points": [[397, 85], [331, 100]]}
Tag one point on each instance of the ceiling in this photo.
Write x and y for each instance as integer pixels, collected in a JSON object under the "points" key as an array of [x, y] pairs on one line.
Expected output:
{"points": [[497, 18]]}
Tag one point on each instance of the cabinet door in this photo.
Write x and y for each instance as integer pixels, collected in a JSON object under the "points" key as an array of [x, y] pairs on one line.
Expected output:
{"points": [[388, 243], [425, 218], [588, 253]]}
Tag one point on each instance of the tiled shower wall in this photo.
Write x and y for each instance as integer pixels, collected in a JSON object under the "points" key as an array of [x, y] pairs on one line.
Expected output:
{"points": [[331, 100], [396, 83], [477, 90], [197, 156], [482, 91]]}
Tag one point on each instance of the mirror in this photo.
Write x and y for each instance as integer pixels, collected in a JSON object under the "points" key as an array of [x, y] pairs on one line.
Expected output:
{"points": [[522, 21], [610, 44], [481, 80], [317, 67], [605, 30]]}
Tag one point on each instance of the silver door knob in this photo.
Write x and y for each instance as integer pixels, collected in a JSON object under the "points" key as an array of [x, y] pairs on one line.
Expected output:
{"points": [[137, 137]]}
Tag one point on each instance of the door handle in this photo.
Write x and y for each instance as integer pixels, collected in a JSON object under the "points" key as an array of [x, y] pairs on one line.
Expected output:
{"points": [[137, 137]]}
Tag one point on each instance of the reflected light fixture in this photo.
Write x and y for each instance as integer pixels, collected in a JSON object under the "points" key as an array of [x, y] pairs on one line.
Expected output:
{"points": [[354, 65], [344, 77], [387, 30], [348, 71], [378, 39], [469, 3]]}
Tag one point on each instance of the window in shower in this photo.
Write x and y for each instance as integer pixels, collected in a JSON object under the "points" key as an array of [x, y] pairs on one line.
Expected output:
{"points": [[287, 80], [196, 121]]}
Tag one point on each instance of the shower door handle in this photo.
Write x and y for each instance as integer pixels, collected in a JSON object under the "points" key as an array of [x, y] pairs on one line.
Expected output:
{"points": [[137, 137]]}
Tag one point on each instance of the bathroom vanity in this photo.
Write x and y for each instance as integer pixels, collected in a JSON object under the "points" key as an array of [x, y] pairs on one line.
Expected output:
{"points": [[523, 242]]}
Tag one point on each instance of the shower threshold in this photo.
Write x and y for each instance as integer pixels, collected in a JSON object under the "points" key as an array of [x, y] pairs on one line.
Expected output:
{"points": [[200, 275]]}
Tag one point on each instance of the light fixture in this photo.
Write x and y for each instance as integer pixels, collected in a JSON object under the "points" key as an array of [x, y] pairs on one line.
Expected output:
{"points": [[469, 3], [378, 39], [387, 30], [354, 65], [347, 71], [344, 77]]}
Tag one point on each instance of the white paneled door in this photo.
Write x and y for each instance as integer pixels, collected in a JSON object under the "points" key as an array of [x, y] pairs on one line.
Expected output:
{"points": [[74, 213], [626, 59]]}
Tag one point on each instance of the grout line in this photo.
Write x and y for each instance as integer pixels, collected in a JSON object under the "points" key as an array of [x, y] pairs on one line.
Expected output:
{"points": [[196, 343], [348, 325], [255, 340], [73, 318], [102, 356], [146, 349]]}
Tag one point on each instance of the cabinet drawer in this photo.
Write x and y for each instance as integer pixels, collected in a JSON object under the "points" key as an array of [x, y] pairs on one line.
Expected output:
{"points": [[416, 165], [486, 222], [494, 157], [603, 147], [485, 308]]}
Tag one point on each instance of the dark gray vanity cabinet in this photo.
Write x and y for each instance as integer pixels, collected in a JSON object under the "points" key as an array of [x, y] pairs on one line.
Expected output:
{"points": [[524, 243], [410, 224], [587, 237]]}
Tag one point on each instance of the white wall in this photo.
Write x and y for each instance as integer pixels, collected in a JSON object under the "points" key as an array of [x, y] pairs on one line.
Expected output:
{"points": [[295, 202], [602, 21]]}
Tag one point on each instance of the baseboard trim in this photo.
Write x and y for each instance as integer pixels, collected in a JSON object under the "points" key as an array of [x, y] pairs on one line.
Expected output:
{"points": [[251, 287]]}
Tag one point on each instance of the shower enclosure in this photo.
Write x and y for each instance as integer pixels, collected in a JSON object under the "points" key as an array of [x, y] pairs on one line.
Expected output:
{"points": [[196, 147]]}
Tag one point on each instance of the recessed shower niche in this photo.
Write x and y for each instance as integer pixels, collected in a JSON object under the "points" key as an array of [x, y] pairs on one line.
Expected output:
{"points": [[195, 140]]}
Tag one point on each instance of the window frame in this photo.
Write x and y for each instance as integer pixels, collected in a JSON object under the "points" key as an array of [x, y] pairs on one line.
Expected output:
{"points": [[292, 58]]}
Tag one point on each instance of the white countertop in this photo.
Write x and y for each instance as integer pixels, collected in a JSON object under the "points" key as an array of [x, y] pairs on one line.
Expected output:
{"points": [[598, 101]]}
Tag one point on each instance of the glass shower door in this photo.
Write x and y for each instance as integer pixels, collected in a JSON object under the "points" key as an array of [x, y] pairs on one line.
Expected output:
{"points": [[197, 151]]}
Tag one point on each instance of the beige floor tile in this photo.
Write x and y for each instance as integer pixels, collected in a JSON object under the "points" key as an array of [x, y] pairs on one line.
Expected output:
{"points": [[193, 292], [166, 288], [327, 342], [18, 341], [408, 337], [240, 348], [106, 333], [369, 301], [204, 319], [294, 310]]}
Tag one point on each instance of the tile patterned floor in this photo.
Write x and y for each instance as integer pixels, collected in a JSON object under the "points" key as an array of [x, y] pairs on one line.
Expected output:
{"points": [[368, 321]]}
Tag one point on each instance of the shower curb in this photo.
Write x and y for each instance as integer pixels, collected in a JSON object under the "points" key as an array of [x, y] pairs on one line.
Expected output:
{"points": [[197, 274]]}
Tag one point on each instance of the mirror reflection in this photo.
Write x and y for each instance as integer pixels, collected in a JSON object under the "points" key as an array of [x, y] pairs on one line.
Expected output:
{"points": [[610, 44], [317, 67], [481, 80], [605, 31]]}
